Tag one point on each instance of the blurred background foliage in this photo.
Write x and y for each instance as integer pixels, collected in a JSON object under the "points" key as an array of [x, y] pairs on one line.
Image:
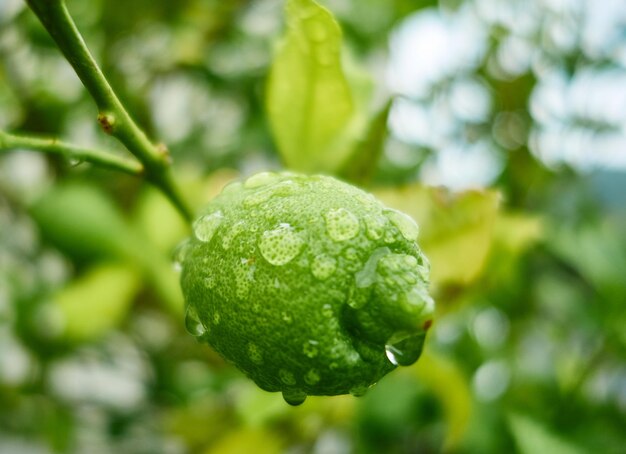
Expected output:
{"points": [[499, 126]]}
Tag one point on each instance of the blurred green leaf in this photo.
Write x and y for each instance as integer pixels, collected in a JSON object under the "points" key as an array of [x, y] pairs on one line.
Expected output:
{"points": [[444, 378], [97, 301], [456, 228], [82, 219], [363, 161], [309, 100], [532, 437]]}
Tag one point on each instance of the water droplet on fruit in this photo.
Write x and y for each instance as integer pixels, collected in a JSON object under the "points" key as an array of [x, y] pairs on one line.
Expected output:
{"points": [[403, 349], [312, 377], [180, 253], [281, 245], [375, 227], [231, 187], [261, 179], [286, 377], [358, 297], [367, 275], [286, 317], [260, 195], [310, 348], [327, 310], [229, 235], [294, 397], [323, 266], [359, 390], [341, 224], [254, 353], [405, 224], [205, 227], [193, 325]]}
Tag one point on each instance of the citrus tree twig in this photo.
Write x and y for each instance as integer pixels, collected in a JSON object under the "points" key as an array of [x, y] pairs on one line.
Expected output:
{"points": [[72, 152], [112, 116]]}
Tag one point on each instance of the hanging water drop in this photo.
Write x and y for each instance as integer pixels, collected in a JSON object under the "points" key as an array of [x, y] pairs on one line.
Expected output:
{"points": [[294, 397], [404, 349], [193, 325]]}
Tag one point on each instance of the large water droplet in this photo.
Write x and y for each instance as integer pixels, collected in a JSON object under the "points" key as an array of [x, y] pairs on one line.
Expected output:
{"points": [[261, 195], [281, 245], [310, 348], [254, 353], [180, 254], [367, 275], [405, 224], [358, 297], [205, 227], [193, 325], [403, 349], [231, 187], [287, 377], [375, 227], [261, 179], [294, 397], [229, 234], [341, 224], [323, 266], [312, 377]]}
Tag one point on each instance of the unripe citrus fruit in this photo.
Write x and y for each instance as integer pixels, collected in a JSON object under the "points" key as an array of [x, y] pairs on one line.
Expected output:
{"points": [[309, 285]]}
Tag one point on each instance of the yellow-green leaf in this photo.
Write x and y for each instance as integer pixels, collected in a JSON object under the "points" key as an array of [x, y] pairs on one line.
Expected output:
{"points": [[309, 99], [456, 229], [97, 301]]}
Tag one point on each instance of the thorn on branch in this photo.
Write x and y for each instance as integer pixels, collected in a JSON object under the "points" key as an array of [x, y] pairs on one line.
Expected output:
{"points": [[164, 153]]}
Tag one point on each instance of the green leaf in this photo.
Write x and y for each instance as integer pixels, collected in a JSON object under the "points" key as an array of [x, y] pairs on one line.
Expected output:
{"points": [[96, 302], [444, 378], [362, 163], [457, 230], [82, 219], [532, 437], [309, 99]]}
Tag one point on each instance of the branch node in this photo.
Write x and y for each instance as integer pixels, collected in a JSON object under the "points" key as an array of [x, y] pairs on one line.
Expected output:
{"points": [[107, 122]]}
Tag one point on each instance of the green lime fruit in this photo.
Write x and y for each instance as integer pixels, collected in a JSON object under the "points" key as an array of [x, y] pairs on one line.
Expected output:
{"points": [[308, 285]]}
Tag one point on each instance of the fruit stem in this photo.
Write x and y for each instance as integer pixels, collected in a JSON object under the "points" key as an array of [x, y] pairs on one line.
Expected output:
{"points": [[72, 152], [113, 117]]}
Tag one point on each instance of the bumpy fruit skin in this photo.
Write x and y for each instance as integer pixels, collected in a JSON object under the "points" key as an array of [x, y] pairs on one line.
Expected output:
{"points": [[308, 285]]}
